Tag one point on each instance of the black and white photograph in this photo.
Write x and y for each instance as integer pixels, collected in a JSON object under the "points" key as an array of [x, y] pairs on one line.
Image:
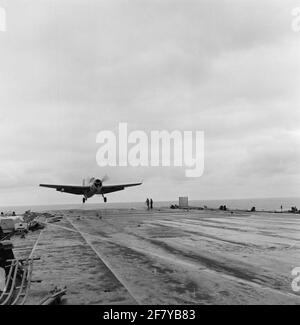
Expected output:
{"points": [[149, 155]]}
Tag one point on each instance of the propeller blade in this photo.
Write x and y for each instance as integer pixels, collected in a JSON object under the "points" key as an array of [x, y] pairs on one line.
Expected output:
{"points": [[104, 178]]}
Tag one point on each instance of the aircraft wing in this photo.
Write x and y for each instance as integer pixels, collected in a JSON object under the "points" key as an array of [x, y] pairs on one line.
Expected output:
{"points": [[114, 188], [80, 190]]}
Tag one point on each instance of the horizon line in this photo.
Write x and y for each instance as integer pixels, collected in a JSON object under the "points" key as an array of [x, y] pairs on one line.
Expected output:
{"points": [[161, 201]]}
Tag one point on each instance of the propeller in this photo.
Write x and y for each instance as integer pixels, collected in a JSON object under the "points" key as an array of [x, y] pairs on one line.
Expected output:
{"points": [[104, 178], [87, 180], [91, 180]]}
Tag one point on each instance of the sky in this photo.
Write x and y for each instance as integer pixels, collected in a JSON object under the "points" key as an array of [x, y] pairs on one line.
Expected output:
{"points": [[72, 68]]}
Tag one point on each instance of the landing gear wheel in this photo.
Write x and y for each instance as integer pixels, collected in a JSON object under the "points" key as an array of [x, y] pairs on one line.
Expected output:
{"points": [[105, 199], [83, 200]]}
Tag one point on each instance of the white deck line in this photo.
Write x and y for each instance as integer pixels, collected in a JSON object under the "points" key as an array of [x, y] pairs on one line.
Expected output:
{"points": [[105, 262]]}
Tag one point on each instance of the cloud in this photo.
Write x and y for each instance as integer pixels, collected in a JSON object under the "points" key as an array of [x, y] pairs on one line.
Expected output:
{"points": [[70, 69]]}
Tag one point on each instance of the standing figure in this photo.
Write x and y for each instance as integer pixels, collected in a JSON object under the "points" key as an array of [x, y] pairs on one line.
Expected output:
{"points": [[151, 204], [147, 203]]}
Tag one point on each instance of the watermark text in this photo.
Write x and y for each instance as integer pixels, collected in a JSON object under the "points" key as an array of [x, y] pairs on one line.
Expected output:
{"points": [[296, 20], [2, 19], [296, 280], [155, 149]]}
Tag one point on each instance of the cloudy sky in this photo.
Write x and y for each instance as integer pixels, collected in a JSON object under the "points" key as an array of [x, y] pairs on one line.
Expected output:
{"points": [[71, 68]]}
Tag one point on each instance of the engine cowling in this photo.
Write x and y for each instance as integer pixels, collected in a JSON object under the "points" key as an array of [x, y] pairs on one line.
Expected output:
{"points": [[97, 185]]}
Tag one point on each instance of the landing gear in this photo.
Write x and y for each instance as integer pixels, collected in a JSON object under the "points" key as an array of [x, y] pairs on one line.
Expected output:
{"points": [[104, 198], [83, 200]]}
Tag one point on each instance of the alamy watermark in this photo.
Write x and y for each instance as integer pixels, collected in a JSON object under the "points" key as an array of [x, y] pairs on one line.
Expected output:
{"points": [[296, 281], [296, 21], [156, 149], [2, 19]]}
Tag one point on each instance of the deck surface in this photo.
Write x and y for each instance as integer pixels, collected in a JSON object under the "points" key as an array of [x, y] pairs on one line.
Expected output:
{"points": [[122, 256]]}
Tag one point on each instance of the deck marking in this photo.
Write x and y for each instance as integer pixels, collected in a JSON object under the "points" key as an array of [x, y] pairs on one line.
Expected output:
{"points": [[35, 244], [105, 262]]}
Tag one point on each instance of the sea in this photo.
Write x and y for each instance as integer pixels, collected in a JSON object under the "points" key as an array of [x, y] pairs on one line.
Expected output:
{"points": [[261, 204]]}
